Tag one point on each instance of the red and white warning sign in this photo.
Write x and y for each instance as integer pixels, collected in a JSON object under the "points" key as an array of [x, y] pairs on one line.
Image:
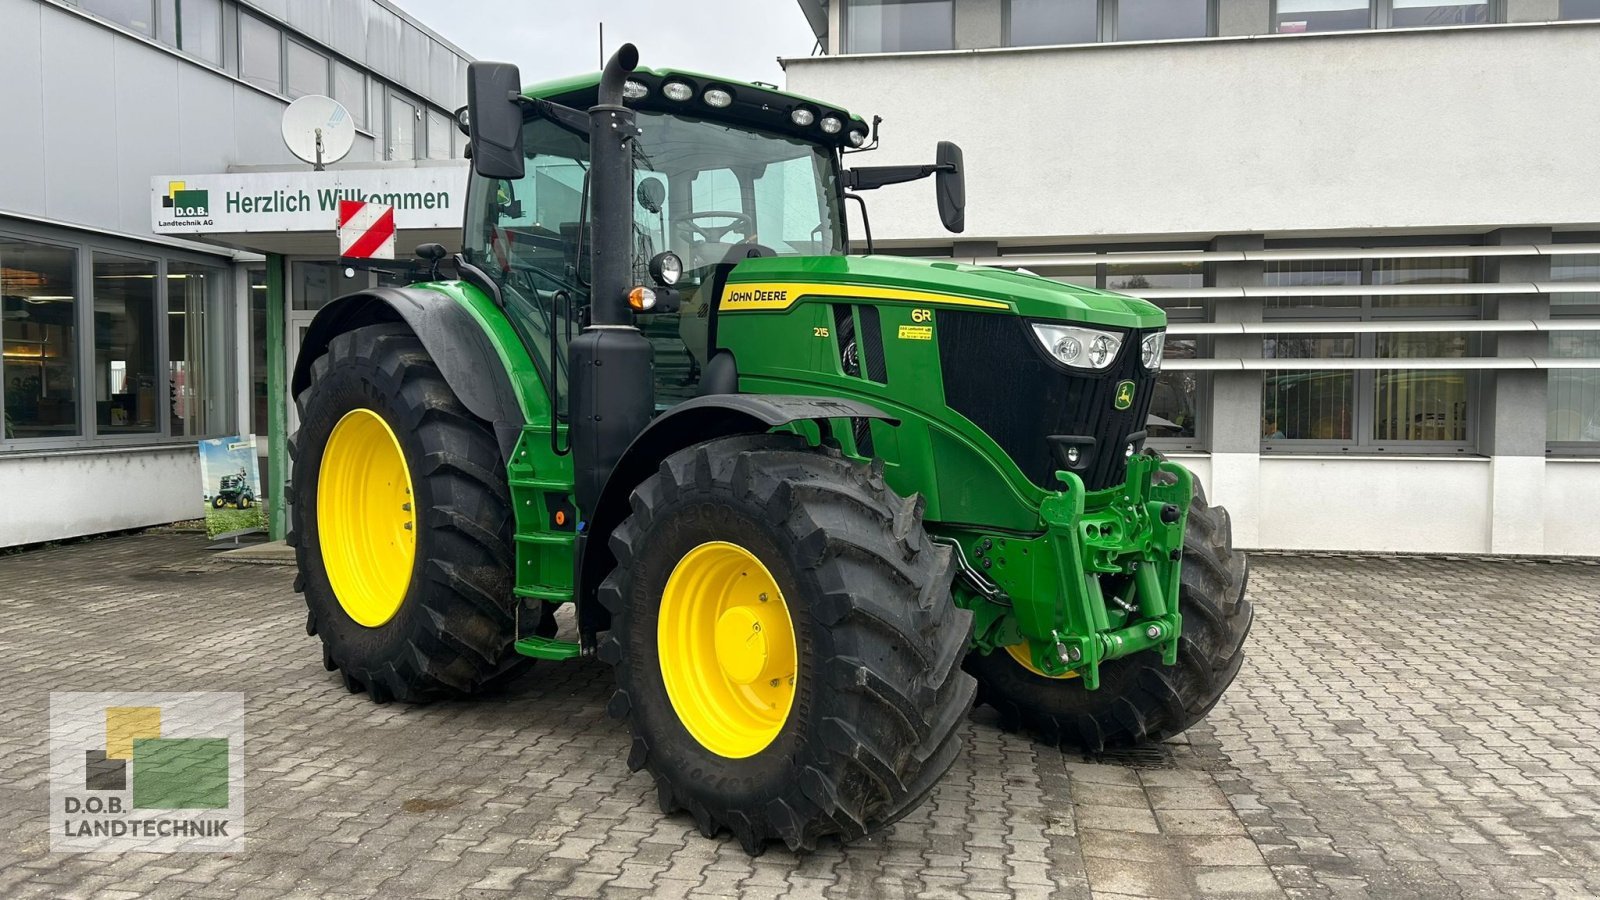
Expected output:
{"points": [[366, 230]]}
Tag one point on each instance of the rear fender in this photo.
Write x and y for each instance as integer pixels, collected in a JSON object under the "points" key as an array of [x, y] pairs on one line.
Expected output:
{"points": [[465, 354]]}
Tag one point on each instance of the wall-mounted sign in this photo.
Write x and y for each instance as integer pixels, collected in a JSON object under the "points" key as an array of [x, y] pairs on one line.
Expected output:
{"points": [[423, 197]]}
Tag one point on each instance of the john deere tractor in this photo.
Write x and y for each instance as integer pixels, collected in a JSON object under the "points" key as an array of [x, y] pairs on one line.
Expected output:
{"points": [[808, 505]]}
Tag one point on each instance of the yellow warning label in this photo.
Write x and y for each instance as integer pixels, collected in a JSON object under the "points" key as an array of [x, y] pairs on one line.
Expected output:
{"points": [[916, 332]]}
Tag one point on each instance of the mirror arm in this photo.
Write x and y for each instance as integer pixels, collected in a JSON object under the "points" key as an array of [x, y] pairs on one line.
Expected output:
{"points": [[563, 117], [869, 178], [866, 223]]}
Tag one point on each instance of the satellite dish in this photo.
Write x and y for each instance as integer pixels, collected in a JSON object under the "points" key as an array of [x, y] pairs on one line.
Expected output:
{"points": [[318, 130]]}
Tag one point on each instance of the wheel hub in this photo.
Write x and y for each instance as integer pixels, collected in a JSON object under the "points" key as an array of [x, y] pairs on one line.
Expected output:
{"points": [[366, 521], [727, 649]]}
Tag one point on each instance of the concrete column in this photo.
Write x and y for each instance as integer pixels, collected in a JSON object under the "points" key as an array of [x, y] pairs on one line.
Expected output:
{"points": [[1513, 406], [978, 24], [1532, 10], [1235, 419], [1235, 17]]}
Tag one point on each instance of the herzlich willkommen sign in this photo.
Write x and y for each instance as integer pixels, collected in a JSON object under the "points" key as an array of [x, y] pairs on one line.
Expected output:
{"points": [[430, 196]]}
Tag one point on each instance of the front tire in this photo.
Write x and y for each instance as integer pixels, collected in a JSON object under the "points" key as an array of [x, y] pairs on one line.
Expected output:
{"points": [[401, 524], [1140, 699], [852, 728]]}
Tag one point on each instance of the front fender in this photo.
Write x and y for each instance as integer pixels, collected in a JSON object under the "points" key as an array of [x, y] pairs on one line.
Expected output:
{"points": [[465, 354]]}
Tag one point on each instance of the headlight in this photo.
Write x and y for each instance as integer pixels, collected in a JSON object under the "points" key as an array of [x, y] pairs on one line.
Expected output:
{"points": [[1150, 350], [677, 90], [666, 268], [1081, 348]]}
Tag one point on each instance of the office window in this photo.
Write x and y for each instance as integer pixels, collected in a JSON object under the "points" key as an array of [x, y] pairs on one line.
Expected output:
{"points": [[438, 135], [350, 89], [1295, 16], [1424, 13], [1178, 395], [1579, 9], [1038, 22], [1573, 395], [1151, 20], [1370, 409], [308, 71], [402, 129], [258, 351], [199, 29], [1574, 267], [127, 393], [38, 339], [197, 340], [891, 26], [315, 284], [134, 15], [260, 54], [377, 101]]}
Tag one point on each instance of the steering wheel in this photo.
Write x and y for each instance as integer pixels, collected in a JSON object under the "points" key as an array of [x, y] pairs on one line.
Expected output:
{"points": [[742, 223]]}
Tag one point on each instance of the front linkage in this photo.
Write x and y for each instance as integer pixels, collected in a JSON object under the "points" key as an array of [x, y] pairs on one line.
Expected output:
{"points": [[1099, 584]]}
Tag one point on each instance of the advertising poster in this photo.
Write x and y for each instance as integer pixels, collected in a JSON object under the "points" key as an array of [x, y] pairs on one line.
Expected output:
{"points": [[231, 485]]}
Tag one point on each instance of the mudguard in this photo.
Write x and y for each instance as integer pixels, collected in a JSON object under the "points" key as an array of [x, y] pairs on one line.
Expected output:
{"points": [[465, 355], [691, 422]]}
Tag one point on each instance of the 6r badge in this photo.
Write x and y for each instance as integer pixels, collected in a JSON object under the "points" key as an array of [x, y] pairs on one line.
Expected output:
{"points": [[1124, 398]]}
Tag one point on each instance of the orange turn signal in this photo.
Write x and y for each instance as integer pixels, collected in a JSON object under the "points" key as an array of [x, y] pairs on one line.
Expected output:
{"points": [[641, 299]]}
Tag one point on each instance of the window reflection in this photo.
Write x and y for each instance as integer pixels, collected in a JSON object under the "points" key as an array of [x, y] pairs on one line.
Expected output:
{"points": [[1296, 16], [892, 26], [126, 390], [38, 339]]}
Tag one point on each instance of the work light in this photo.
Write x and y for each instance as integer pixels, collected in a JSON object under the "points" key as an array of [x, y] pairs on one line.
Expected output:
{"points": [[802, 117], [857, 138], [1080, 348], [634, 90], [1150, 350], [718, 98], [831, 124], [677, 90], [666, 267]]}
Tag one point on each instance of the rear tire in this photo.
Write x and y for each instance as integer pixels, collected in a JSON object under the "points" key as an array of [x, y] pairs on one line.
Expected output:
{"points": [[1140, 699], [452, 632], [878, 694]]}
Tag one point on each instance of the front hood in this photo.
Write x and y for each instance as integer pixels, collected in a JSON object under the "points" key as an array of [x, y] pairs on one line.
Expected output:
{"points": [[1027, 295]]}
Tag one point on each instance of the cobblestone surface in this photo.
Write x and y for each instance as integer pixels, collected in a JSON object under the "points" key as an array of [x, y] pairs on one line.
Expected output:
{"points": [[1403, 727]]}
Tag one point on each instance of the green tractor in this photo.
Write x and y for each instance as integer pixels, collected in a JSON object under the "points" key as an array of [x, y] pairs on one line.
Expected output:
{"points": [[807, 505]]}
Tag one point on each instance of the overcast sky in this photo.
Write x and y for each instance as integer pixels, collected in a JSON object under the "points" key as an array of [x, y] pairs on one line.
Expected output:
{"points": [[551, 38]]}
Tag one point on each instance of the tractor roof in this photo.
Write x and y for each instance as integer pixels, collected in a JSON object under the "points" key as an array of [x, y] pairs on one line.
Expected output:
{"points": [[752, 103]]}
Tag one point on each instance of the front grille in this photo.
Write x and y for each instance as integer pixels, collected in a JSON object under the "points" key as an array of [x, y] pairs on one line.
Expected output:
{"points": [[997, 375]]}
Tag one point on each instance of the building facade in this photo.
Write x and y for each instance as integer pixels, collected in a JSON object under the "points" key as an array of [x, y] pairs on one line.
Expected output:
{"points": [[1374, 225], [121, 347]]}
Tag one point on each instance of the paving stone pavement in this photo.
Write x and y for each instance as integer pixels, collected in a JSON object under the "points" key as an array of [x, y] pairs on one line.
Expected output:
{"points": [[1402, 728]]}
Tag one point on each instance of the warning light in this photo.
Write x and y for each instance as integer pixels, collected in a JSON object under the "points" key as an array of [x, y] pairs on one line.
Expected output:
{"points": [[561, 517]]}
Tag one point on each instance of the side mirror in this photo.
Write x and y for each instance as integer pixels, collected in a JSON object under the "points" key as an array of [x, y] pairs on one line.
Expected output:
{"points": [[951, 187], [494, 119]]}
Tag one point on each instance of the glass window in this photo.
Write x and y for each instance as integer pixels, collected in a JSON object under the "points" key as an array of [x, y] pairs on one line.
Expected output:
{"points": [[317, 284], [1312, 273], [402, 129], [134, 15], [1420, 405], [1314, 405], [200, 29], [1132, 277], [260, 54], [1150, 20], [1423, 13], [126, 389], [1036, 22], [350, 89], [38, 339], [1175, 405], [377, 102], [258, 351], [1083, 276], [438, 135], [1574, 267], [1426, 270], [1574, 394], [196, 341], [308, 71], [1579, 9], [892, 26], [1296, 16]]}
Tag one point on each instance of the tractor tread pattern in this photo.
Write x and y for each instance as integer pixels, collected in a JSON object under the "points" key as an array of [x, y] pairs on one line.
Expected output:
{"points": [[890, 696], [457, 640]]}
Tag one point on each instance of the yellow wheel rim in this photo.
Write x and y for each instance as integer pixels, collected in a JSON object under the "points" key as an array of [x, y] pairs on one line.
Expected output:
{"points": [[366, 526], [727, 649], [1024, 658]]}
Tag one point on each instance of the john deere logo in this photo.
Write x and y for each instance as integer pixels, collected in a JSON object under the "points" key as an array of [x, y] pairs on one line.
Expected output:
{"points": [[186, 204], [1124, 397]]}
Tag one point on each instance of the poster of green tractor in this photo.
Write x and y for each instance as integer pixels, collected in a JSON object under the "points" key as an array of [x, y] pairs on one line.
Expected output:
{"points": [[231, 486]]}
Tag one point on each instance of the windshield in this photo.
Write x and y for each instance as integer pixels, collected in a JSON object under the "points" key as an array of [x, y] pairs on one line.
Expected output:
{"points": [[706, 190]]}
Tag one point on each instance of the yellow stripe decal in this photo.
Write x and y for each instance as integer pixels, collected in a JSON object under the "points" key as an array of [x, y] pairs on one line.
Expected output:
{"points": [[784, 294]]}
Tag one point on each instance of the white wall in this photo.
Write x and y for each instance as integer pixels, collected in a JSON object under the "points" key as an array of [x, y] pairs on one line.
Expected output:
{"points": [[59, 494], [1402, 505], [1441, 129], [1572, 508]]}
